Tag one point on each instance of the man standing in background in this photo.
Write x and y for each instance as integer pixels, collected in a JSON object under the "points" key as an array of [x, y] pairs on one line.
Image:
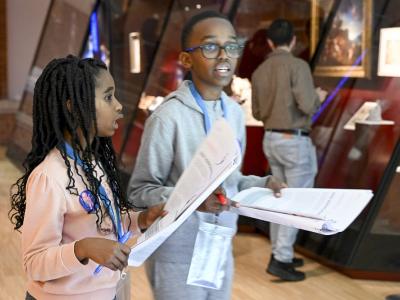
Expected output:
{"points": [[284, 99]]}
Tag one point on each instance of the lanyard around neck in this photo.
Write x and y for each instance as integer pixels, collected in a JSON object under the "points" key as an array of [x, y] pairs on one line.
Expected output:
{"points": [[200, 103], [115, 217]]}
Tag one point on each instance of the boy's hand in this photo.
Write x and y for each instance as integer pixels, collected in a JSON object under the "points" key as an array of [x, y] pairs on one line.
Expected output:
{"points": [[275, 185], [105, 252], [217, 202], [147, 217]]}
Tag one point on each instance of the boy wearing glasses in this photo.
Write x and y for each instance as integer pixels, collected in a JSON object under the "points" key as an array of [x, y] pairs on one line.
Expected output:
{"points": [[172, 134]]}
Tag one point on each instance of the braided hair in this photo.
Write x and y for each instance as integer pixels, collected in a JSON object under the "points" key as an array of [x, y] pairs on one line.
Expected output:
{"points": [[64, 102]]}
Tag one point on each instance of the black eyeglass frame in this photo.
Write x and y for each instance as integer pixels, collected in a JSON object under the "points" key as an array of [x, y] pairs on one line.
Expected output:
{"points": [[201, 47]]}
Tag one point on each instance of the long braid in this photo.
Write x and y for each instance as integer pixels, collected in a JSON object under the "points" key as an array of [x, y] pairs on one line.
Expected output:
{"points": [[109, 162], [64, 101]]}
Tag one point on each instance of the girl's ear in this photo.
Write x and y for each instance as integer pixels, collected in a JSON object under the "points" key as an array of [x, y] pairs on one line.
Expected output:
{"points": [[69, 105], [185, 59]]}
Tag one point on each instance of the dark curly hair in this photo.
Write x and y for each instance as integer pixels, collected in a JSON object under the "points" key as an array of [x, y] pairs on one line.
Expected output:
{"points": [[71, 80]]}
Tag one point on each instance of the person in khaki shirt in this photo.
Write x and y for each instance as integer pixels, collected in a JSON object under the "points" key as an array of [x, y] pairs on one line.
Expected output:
{"points": [[284, 99]]}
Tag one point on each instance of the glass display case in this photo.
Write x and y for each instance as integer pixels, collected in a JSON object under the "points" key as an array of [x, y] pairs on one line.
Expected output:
{"points": [[63, 33], [355, 152]]}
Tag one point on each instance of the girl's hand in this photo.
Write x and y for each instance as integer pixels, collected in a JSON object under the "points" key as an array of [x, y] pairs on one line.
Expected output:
{"points": [[147, 217], [105, 252], [217, 202], [275, 185]]}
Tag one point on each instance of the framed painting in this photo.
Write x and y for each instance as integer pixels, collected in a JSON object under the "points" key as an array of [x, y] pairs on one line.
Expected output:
{"points": [[346, 51], [389, 49]]}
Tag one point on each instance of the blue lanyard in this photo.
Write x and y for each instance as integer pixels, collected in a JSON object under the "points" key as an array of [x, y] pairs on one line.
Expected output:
{"points": [[115, 217], [200, 103]]}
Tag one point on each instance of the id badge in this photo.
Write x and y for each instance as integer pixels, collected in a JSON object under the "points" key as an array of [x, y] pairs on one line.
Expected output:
{"points": [[210, 255]]}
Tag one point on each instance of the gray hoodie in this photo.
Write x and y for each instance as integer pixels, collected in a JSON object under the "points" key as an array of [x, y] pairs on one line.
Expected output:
{"points": [[170, 139]]}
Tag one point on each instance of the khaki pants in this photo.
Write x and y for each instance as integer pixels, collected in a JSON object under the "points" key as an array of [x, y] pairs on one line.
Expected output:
{"points": [[293, 160]]}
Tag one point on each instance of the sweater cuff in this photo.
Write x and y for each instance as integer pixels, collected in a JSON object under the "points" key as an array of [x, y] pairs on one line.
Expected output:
{"points": [[69, 259], [261, 181], [135, 223], [266, 180]]}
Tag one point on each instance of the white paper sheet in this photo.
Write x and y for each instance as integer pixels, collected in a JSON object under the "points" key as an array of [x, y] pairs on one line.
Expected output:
{"points": [[217, 157], [326, 211]]}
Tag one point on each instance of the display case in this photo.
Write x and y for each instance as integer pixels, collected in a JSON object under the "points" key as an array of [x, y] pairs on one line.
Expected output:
{"points": [[364, 155], [63, 33]]}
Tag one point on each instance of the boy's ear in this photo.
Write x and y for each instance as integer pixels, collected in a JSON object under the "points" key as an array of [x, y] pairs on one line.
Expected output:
{"points": [[185, 59]]}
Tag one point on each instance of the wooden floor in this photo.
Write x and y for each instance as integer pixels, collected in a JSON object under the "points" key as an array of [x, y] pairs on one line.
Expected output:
{"points": [[251, 254]]}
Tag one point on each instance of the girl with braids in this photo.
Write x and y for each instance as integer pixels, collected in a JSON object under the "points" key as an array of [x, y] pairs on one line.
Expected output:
{"points": [[69, 204]]}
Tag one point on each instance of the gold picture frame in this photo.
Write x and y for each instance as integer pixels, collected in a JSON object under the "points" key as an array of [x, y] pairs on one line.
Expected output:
{"points": [[343, 55]]}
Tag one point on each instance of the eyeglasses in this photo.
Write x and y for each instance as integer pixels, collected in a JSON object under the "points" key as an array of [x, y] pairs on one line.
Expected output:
{"points": [[212, 50]]}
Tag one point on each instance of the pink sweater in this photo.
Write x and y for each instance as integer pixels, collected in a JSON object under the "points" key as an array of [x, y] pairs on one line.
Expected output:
{"points": [[54, 220]]}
